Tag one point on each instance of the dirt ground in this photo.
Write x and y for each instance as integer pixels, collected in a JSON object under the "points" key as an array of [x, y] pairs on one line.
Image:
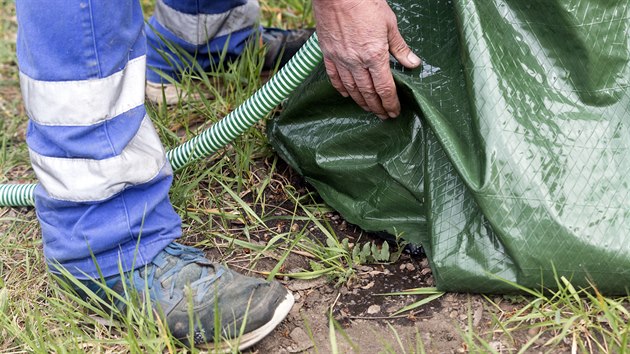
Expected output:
{"points": [[364, 315]]}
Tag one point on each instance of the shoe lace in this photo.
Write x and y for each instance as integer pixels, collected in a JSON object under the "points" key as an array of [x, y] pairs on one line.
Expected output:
{"points": [[185, 255]]}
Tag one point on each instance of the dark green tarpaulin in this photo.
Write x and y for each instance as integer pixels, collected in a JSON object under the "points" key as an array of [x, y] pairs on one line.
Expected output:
{"points": [[510, 158]]}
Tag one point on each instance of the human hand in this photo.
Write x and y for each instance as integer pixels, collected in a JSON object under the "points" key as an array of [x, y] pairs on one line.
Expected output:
{"points": [[356, 37]]}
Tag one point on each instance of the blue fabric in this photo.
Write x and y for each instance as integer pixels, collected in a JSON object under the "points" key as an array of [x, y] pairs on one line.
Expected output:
{"points": [[76, 40], [109, 229], [194, 7], [65, 40], [205, 55], [98, 141]]}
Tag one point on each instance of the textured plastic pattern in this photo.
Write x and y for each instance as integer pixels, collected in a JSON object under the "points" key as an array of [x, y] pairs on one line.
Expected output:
{"points": [[510, 159]]}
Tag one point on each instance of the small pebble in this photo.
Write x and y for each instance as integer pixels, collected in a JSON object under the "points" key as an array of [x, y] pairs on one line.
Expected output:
{"points": [[373, 309], [299, 335], [368, 285], [302, 340], [496, 345], [477, 315]]}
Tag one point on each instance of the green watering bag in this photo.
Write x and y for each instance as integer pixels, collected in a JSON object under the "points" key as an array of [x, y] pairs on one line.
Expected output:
{"points": [[510, 160]]}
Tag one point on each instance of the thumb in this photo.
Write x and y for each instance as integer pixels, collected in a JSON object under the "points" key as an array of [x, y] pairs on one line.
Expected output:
{"points": [[400, 50]]}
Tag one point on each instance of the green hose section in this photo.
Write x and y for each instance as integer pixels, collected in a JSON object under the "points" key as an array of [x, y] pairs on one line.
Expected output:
{"points": [[223, 132], [16, 194]]}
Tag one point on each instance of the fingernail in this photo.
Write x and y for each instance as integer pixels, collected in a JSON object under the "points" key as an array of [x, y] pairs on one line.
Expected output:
{"points": [[413, 58], [392, 114], [382, 116], [344, 94]]}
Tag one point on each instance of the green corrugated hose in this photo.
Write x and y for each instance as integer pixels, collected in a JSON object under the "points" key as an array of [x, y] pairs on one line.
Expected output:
{"points": [[220, 134]]}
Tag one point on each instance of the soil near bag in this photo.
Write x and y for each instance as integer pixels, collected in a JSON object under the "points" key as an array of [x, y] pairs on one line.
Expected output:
{"points": [[509, 162]]}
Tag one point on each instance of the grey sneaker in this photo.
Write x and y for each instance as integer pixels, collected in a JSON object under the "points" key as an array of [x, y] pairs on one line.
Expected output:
{"points": [[248, 306]]}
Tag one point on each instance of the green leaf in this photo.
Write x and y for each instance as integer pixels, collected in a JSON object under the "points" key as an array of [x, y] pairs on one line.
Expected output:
{"points": [[424, 301], [383, 254]]}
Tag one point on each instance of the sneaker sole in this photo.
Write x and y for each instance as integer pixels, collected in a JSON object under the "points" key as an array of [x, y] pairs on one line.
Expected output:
{"points": [[249, 339]]}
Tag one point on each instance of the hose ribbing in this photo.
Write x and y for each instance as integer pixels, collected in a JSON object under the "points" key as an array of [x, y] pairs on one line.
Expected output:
{"points": [[16, 194], [227, 129]]}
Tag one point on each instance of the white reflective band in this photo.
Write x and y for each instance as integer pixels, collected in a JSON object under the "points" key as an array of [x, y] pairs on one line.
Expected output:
{"points": [[199, 29], [81, 180], [85, 102]]}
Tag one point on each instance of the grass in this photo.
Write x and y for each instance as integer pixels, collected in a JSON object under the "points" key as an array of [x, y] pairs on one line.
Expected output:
{"points": [[247, 210], [582, 319]]}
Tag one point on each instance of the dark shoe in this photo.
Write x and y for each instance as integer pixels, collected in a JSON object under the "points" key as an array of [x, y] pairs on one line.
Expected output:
{"points": [[248, 306], [281, 45]]}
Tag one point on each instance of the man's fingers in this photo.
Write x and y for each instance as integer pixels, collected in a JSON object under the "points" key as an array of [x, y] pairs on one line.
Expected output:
{"points": [[385, 87], [365, 86], [335, 79], [375, 93], [399, 48], [351, 87]]}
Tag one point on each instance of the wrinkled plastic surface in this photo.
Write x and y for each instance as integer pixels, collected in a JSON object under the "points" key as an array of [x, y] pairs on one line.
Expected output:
{"points": [[510, 160]]}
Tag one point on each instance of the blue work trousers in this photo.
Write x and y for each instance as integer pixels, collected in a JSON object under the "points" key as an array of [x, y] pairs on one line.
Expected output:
{"points": [[102, 200]]}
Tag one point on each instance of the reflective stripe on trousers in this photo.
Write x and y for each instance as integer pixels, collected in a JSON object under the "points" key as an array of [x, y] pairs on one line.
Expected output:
{"points": [[205, 30]]}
